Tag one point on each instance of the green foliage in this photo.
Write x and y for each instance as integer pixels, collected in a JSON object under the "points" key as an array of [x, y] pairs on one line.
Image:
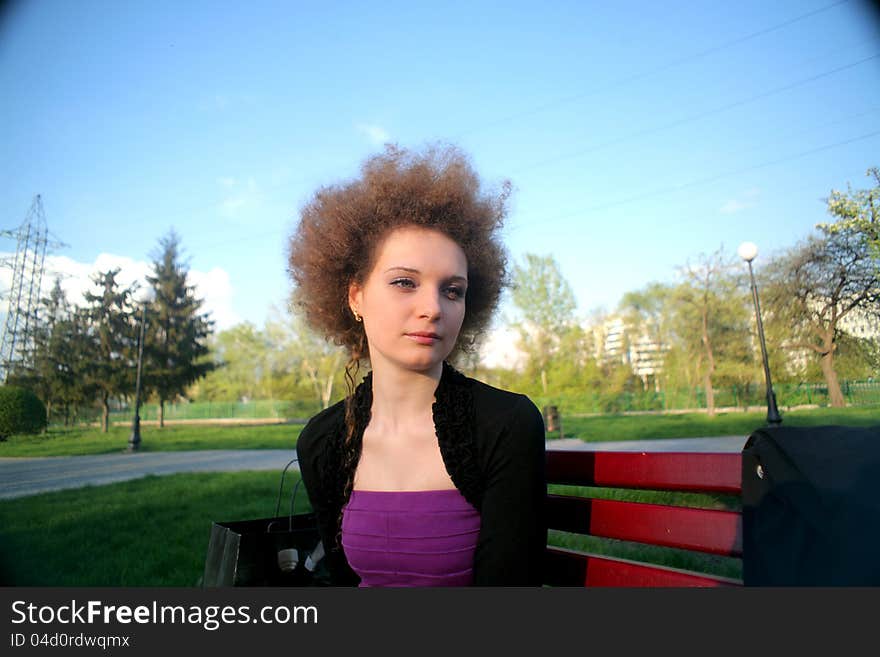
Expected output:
{"points": [[64, 365], [857, 212], [542, 294], [175, 342], [285, 360], [240, 355], [710, 323], [110, 341], [548, 331], [307, 358], [21, 412], [818, 292]]}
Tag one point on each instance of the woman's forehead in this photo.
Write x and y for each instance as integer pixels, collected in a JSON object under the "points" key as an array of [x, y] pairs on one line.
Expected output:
{"points": [[421, 250]]}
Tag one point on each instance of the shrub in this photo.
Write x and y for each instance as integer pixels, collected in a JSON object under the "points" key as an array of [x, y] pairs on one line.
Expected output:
{"points": [[21, 411]]}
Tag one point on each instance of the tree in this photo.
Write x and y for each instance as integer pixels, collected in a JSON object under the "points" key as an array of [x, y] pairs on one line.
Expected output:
{"points": [[320, 362], [710, 320], [111, 341], [857, 212], [240, 353], [812, 288], [547, 304], [175, 340], [71, 341], [51, 353]]}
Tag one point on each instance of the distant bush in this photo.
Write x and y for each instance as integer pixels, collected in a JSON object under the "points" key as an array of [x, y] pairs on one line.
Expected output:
{"points": [[21, 411]]}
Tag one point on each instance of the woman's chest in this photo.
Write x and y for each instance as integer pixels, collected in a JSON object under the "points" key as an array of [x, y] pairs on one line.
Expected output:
{"points": [[411, 461]]}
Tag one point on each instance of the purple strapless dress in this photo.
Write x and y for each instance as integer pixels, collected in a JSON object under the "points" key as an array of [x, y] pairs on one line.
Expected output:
{"points": [[410, 538]]}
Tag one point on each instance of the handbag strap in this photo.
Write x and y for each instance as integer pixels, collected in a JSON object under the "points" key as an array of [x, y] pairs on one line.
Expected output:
{"points": [[292, 497]]}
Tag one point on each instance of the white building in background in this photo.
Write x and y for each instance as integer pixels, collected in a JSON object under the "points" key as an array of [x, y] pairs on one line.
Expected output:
{"points": [[611, 345], [617, 342], [860, 324]]}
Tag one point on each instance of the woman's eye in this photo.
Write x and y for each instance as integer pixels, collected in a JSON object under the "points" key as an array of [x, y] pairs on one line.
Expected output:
{"points": [[403, 282], [454, 292]]}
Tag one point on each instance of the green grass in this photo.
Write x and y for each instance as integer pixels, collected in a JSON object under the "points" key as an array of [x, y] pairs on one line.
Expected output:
{"points": [[693, 425], [90, 440], [151, 531]]}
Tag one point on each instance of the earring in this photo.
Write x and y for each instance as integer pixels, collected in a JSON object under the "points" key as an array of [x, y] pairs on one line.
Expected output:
{"points": [[357, 317]]}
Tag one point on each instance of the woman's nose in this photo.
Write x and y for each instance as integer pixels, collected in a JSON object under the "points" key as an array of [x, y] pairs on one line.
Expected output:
{"points": [[429, 303]]}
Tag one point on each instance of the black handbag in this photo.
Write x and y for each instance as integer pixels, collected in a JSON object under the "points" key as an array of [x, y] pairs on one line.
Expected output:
{"points": [[278, 551], [811, 506]]}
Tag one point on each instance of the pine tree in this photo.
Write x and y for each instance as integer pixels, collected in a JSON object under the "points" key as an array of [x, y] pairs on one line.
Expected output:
{"points": [[112, 341], [63, 353], [49, 349], [175, 346]]}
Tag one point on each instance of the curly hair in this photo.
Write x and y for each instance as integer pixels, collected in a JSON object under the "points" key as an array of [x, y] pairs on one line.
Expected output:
{"points": [[341, 227]]}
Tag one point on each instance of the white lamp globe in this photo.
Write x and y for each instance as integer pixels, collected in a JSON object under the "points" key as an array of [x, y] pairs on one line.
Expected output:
{"points": [[747, 251]]}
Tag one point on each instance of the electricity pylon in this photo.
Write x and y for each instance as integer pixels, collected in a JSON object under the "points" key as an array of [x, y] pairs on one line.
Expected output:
{"points": [[23, 296]]}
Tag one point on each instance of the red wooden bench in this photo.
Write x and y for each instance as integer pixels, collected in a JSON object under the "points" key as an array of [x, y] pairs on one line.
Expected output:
{"points": [[696, 529]]}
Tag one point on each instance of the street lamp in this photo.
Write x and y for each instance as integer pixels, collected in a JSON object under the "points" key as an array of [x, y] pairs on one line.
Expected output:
{"points": [[144, 297], [748, 251]]}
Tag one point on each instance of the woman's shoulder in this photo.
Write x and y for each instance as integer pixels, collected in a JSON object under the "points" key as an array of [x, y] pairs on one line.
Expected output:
{"points": [[316, 435], [497, 404]]}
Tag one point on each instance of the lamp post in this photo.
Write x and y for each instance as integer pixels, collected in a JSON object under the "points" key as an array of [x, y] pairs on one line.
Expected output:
{"points": [[144, 298], [748, 251]]}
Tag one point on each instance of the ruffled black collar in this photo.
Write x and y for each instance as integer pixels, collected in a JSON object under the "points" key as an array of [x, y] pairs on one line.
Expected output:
{"points": [[454, 424]]}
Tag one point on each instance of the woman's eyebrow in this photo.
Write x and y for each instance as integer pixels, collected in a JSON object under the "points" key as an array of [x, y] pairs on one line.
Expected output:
{"points": [[410, 270]]}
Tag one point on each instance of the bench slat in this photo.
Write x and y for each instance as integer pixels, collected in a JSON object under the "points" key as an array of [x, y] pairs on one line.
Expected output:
{"points": [[675, 471], [571, 568], [705, 530]]}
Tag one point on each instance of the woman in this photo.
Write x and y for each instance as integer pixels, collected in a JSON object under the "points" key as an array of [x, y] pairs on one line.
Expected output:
{"points": [[421, 476]]}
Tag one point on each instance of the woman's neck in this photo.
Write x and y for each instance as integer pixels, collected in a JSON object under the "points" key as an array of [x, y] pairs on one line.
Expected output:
{"points": [[402, 397]]}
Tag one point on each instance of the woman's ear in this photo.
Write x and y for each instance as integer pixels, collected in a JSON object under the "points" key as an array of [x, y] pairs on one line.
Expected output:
{"points": [[355, 297]]}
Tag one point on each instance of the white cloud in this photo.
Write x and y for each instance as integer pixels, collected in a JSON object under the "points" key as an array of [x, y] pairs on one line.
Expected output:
{"points": [[375, 133], [213, 286], [745, 201]]}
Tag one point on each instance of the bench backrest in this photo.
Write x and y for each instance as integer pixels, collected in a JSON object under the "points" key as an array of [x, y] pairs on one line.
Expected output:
{"points": [[698, 529]]}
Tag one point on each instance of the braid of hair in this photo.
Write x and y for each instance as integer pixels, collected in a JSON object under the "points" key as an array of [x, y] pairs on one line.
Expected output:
{"points": [[350, 451]]}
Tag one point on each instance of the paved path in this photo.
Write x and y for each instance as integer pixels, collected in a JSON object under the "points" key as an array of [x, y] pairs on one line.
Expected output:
{"points": [[28, 476]]}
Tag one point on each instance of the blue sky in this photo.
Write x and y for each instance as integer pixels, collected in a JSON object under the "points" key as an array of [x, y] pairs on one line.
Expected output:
{"points": [[636, 134]]}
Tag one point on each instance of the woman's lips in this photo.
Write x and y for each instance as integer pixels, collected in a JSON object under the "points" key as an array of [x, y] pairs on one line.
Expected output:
{"points": [[423, 339]]}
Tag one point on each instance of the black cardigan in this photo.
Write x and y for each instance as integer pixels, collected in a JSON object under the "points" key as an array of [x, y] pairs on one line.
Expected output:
{"points": [[492, 444]]}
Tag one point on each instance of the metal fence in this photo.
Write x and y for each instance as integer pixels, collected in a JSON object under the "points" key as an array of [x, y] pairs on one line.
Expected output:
{"points": [[856, 393], [256, 409]]}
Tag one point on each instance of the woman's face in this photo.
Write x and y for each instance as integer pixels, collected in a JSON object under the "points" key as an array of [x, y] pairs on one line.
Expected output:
{"points": [[413, 300]]}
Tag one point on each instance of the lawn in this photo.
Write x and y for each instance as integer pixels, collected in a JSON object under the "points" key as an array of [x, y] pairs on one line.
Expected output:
{"points": [[151, 531], [693, 425], [173, 437], [176, 437]]}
